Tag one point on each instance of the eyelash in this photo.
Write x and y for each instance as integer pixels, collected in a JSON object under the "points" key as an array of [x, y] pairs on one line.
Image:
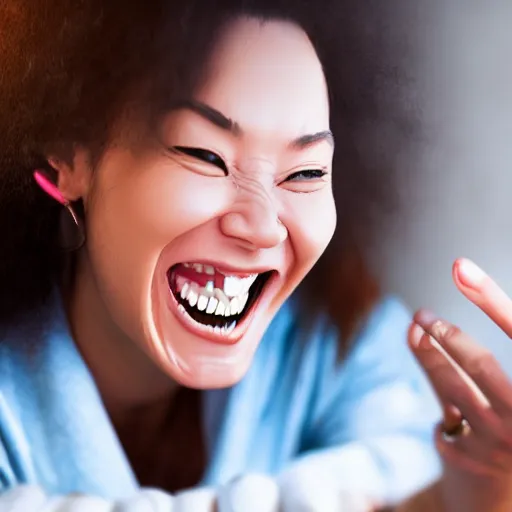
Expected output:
{"points": [[214, 159], [204, 155], [308, 174]]}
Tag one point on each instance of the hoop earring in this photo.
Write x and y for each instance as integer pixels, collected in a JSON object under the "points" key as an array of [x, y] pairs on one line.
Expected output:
{"points": [[72, 229]]}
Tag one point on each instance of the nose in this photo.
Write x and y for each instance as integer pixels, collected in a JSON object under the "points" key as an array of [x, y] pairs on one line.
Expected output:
{"points": [[254, 223]]}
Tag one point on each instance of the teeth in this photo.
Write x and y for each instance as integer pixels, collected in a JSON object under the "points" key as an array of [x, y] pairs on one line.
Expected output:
{"points": [[234, 286], [219, 305], [212, 305], [224, 302], [202, 302], [243, 302], [234, 305], [184, 290], [192, 298], [220, 308]]}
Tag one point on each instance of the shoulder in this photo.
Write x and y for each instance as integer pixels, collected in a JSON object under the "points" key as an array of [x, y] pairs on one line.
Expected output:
{"points": [[23, 348], [294, 347], [22, 343], [386, 323], [385, 326], [11, 377], [390, 314]]}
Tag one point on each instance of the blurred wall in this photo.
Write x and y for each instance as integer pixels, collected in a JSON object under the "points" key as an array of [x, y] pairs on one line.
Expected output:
{"points": [[456, 194]]}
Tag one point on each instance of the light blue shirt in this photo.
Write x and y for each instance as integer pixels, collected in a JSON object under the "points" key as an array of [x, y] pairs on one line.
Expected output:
{"points": [[364, 424]]}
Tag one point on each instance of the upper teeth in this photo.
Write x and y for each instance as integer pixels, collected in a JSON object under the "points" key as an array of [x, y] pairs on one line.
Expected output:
{"points": [[230, 300], [213, 303], [199, 267], [233, 285]]}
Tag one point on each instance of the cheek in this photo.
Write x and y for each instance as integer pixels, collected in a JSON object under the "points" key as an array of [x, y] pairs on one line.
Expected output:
{"points": [[311, 220], [134, 214], [157, 205]]}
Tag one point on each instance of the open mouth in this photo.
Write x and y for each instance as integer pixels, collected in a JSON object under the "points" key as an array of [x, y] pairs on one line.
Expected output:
{"points": [[215, 299]]}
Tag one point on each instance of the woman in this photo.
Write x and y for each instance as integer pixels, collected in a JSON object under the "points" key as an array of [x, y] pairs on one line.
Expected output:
{"points": [[187, 151]]}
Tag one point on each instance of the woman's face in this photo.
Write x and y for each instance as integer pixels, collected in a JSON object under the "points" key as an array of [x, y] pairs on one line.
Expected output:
{"points": [[196, 241]]}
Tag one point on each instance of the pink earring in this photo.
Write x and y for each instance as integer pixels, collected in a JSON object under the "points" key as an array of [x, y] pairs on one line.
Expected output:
{"points": [[74, 237]]}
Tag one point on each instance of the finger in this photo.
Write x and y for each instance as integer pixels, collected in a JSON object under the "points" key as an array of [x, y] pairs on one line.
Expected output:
{"points": [[461, 455], [493, 456], [452, 417], [484, 292], [451, 385], [476, 361]]}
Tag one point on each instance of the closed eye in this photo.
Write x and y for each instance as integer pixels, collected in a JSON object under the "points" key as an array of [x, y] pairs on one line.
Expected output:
{"points": [[306, 174], [204, 155]]}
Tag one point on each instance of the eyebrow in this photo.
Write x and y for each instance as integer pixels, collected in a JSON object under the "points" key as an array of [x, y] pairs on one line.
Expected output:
{"points": [[217, 118], [210, 114], [308, 140]]}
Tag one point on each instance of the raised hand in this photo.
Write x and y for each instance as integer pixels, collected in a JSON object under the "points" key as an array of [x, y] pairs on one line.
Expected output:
{"points": [[475, 437]]}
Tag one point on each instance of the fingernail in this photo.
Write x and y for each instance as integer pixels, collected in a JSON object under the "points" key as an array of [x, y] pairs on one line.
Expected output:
{"points": [[470, 274], [425, 317], [416, 334]]}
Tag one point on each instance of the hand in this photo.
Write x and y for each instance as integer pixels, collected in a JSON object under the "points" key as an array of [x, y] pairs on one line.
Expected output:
{"points": [[473, 389]]}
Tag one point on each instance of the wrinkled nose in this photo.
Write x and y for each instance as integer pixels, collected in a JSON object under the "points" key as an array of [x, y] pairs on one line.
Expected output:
{"points": [[254, 222]]}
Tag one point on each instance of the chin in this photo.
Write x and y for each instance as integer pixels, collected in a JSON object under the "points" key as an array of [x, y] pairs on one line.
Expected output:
{"points": [[200, 373]]}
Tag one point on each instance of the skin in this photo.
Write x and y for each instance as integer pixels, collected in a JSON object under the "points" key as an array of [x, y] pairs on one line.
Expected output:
{"points": [[148, 208], [471, 384]]}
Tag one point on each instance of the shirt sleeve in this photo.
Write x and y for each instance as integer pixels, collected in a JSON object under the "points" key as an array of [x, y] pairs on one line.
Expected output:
{"points": [[371, 420], [30, 498]]}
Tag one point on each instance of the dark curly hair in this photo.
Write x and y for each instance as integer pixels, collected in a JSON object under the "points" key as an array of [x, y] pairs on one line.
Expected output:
{"points": [[71, 67]]}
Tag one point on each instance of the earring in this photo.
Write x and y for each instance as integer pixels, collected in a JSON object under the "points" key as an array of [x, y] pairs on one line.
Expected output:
{"points": [[72, 230]]}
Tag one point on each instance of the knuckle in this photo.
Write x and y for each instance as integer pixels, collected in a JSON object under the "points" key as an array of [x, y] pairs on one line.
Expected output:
{"points": [[482, 365], [444, 331], [503, 443]]}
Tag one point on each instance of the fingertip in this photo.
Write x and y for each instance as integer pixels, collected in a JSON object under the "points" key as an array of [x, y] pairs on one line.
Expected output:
{"points": [[415, 334], [467, 274], [455, 267], [424, 317]]}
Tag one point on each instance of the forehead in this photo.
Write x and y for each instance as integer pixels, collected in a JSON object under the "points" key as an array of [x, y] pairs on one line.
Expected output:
{"points": [[267, 77]]}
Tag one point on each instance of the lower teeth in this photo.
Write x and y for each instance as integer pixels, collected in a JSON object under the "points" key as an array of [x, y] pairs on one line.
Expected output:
{"points": [[224, 330], [215, 323]]}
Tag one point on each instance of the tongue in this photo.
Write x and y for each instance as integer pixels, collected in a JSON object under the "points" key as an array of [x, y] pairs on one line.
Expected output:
{"points": [[200, 278]]}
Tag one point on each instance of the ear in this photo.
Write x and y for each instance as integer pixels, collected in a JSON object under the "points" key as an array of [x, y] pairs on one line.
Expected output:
{"points": [[75, 177]]}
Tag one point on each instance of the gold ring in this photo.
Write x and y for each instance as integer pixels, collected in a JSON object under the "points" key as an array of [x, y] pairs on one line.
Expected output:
{"points": [[450, 435]]}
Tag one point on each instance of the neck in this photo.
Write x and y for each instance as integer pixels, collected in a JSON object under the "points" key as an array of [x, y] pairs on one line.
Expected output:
{"points": [[126, 377]]}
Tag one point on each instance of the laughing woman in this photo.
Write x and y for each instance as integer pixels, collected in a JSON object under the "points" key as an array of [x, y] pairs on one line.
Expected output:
{"points": [[166, 184]]}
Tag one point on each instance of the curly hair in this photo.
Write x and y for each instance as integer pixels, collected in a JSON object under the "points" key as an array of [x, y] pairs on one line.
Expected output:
{"points": [[71, 67]]}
